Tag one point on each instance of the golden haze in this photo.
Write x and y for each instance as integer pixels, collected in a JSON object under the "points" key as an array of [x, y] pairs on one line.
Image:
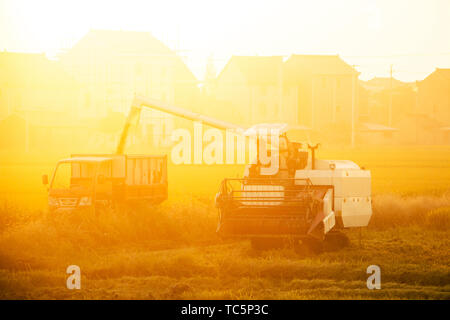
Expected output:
{"points": [[75, 100]]}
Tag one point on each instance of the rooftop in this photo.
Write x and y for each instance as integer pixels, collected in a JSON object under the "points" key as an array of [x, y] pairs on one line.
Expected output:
{"points": [[257, 69], [32, 69], [317, 65]]}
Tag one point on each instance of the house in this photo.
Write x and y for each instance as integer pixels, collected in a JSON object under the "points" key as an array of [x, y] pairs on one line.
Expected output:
{"points": [[15, 128], [313, 91], [425, 116], [35, 87], [434, 96], [445, 135], [319, 92], [248, 90], [35, 95], [377, 84], [420, 128], [400, 97], [116, 65]]}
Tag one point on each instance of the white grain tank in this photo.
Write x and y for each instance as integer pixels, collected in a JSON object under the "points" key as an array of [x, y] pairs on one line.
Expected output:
{"points": [[352, 189]]}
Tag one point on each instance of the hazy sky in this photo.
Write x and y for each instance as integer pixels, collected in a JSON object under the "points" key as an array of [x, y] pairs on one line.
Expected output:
{"points": [[413, 35]]}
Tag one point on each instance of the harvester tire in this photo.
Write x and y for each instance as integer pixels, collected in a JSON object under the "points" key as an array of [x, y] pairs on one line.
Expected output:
{"points": [[336, 240], [313, 245], [267, 243]]}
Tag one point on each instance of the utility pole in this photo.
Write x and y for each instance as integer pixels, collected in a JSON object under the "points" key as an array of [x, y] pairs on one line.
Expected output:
{"points": [[27, 133], [313, 92], [390, 101], [353, 109], [333, 102], [280, 102], [354, 84]]}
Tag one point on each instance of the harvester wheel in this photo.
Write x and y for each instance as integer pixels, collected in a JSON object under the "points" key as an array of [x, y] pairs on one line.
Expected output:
{"points": [[336, 240], [313, 245], [267, 243]]}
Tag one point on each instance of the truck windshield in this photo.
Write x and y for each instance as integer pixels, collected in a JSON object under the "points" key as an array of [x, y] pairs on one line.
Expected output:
{"points": [[74, 175]]}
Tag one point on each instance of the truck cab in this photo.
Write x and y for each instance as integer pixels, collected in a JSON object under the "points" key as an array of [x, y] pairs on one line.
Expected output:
{"points": [[81, 183]]}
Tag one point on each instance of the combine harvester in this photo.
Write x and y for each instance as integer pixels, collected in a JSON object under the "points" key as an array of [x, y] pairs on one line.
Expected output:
{"points": [[305, 199]]}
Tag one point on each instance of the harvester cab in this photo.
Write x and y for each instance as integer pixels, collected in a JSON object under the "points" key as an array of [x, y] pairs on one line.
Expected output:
{"points": [[283, 156]]}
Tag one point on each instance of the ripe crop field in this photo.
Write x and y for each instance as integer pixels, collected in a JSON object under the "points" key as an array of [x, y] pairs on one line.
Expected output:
{"points": [[172, 252]]}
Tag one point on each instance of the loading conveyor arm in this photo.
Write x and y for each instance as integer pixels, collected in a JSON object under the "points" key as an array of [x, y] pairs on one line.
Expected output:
{"points": [[142, 102]]}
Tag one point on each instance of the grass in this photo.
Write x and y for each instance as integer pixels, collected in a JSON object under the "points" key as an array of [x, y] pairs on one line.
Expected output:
{"points": [[413, 268], [171, 251]]}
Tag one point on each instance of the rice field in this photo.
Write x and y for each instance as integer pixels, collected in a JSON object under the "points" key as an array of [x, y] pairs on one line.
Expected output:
{"points": [[171, 251]]}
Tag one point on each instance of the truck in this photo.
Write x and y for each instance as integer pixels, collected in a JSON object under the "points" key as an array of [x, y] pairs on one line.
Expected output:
{"points": [[92, 182], [100, 181]]}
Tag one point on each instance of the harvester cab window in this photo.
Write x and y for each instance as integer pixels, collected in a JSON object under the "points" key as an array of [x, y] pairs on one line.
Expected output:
{"points": [[284, 155], [283, 142], [297, 158]]}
